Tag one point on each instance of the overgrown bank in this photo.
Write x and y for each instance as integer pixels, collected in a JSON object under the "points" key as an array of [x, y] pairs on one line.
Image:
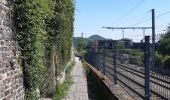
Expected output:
{"points": [[94, 89], [61, 89], [44, 30]]}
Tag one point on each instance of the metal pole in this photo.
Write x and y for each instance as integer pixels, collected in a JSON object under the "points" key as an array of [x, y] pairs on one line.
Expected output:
{"points": [[96, 61], [123, 33], [104, 62], [147, 69], [93, 57], [143, 33], [94, 54], [153, 38], [82, 41], [114, 65]]}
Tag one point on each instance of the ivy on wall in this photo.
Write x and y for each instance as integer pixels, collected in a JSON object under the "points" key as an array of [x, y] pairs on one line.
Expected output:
{"points": [[44, 30], [61, 30]]}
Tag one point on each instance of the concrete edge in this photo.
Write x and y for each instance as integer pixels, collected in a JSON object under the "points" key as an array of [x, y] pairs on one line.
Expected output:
{"points": [[114, 91]]}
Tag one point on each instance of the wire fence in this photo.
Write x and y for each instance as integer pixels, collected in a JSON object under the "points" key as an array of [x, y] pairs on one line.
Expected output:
{"points": [[131, 68]]}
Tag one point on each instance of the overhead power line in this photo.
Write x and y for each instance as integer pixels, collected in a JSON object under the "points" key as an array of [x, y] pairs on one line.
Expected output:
{"points": [[163, 14], [146, 20], [129, 11], [141, 16], [127, 27]]}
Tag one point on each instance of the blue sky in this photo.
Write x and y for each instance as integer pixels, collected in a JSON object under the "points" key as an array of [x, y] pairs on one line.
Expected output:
{"points": [[91, 15]]}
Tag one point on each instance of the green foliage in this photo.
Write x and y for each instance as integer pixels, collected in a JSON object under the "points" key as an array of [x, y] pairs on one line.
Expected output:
{"points": [[44, 30], [31, 95], [80, 43], [29, 16], [135, 56], [82, 52], [61, 89], [77, 41], [164, 47], [94, 87], [162, 60], [95, 38], [133, 52], [86, 68], [120, 45], [163, 54], [61, 31]]}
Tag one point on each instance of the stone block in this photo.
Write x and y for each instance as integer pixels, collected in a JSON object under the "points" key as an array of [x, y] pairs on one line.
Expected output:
{"points": [[11, 80]]}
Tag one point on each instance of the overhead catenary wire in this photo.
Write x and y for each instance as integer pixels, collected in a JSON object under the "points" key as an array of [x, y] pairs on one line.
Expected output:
{"points": [[149, 19], [141, 16], [123, 16], [146, 20], [160, 31], [163, 14]]}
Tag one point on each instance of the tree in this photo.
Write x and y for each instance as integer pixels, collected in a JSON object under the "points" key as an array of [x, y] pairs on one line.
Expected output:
{"points": [[120, 45], [81, 44], [164, 43]]}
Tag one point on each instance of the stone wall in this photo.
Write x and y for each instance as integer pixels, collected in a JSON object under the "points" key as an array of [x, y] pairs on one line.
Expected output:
{"points": [[11, 77]]}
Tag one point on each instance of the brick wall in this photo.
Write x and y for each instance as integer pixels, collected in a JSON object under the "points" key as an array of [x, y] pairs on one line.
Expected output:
{"points": [[11, 77]]}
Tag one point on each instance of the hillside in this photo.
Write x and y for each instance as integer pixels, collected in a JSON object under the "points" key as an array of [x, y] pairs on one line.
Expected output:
{"points": [[76, 40], [95, 37]]}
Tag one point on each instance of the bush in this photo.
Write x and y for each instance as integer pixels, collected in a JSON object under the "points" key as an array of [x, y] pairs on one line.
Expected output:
{"points": [[132, 52], [162, 61], [164, 47]]}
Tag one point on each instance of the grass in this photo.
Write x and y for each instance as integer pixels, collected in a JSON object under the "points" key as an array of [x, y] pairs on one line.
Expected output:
{"points": [[62, 89], [95, 91]]}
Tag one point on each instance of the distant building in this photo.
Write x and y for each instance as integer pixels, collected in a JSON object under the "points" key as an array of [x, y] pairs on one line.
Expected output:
{"points": [[102, 44], [138, 45], [128, 43], [107, 44], [111, 44]]}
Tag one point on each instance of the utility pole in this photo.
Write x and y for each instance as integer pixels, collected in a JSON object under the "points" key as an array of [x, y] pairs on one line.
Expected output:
{"points": [[82, 34], [82, 42], [147, 69], [153, 39], [123, 33]]}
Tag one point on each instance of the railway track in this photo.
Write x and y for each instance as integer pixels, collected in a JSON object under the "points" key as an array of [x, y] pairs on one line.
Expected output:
{"points": [[131, 77]]}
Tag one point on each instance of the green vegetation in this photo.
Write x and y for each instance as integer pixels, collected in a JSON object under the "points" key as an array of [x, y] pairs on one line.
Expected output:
{"points": [[80, 43], [82, 52], [163, 51], [120, 45], [61, 90], [135, 56], [95, 38], [44, 30], [162, 60], [77, 41], [133, 52], [93, 86], [164, 44]]}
